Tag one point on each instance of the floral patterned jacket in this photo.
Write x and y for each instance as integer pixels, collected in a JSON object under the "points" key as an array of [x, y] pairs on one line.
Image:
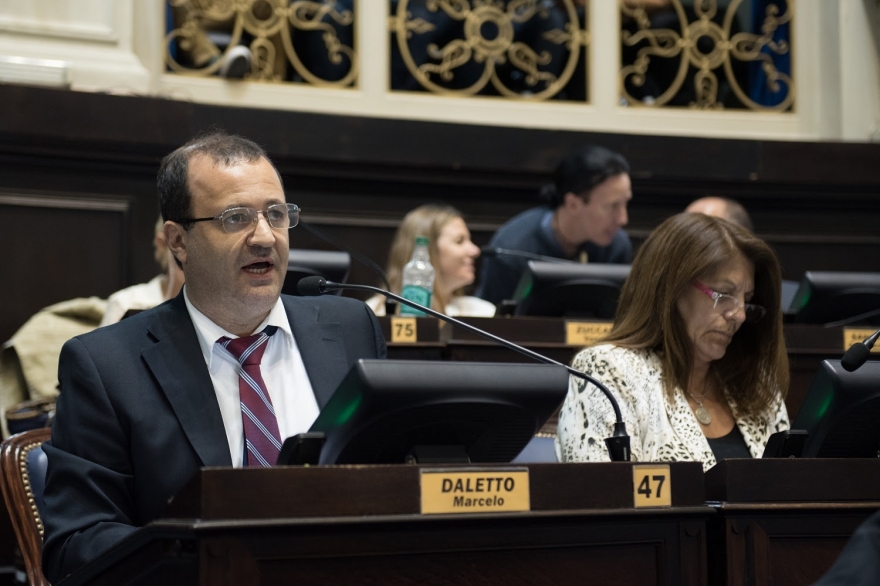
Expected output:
{"points": [[661, 431]]}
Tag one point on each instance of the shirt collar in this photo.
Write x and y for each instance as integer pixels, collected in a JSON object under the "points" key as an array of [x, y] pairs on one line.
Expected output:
{"points": [[208, 332]]}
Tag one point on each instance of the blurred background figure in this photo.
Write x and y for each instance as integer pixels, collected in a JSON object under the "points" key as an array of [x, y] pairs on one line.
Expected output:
{"points": [[147, 295], [722, 207], [452, 255], [582, 220], [696, 356]]}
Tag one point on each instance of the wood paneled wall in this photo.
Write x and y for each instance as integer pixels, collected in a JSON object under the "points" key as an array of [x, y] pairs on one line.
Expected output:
{"points": [[78, 204]]}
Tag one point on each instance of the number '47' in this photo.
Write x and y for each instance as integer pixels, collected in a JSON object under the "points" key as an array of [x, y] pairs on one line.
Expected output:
{"points": [[645, 486]]}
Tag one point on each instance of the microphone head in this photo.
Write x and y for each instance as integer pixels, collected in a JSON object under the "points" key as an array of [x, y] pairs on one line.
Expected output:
{"points": [[489, 251], [311, 286], [855, 356]]}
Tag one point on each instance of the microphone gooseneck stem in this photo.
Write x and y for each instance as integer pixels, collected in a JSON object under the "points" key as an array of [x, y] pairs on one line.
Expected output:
{"points": [[618, 445]]}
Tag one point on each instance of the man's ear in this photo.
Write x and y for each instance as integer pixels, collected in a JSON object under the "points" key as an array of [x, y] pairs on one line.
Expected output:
{"points": [[175, 237], [571, 200]]}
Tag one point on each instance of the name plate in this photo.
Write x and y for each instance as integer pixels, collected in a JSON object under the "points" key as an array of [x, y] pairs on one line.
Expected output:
{"points": [[584, 333], [652, 486], [482, 491], [854, 335], [403, 330]]}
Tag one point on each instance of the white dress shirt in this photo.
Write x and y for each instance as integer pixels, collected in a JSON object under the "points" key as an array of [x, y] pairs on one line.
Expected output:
{"points": [[283, 372]]}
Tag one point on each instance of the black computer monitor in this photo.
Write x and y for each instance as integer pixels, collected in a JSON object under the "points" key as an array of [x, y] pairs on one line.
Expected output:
{"points": [[330, 264], [386, 410], [841, 412], [570, 290], [825, 297]]}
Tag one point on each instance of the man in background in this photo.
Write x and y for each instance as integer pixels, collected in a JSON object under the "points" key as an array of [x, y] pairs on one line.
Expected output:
{"points": [[721, 207], [581, 221], [143, 296]]}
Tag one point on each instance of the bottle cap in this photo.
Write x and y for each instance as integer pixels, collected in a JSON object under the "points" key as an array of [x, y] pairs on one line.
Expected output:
{"points": [[421, 240]]}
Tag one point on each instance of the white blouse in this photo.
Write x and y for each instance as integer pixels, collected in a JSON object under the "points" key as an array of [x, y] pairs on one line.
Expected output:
{"points": [[660, 431]]}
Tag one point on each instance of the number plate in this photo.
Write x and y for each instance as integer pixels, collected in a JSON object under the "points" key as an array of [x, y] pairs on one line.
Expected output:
{"points": [[652, 486], [403, 330]]}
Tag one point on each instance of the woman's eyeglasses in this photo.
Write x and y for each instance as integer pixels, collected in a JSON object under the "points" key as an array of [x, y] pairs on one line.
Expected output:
{"points": [[729, 304]]}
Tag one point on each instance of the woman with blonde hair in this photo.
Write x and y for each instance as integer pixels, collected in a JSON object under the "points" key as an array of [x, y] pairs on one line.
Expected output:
{"points": [[452, 256], [696, 356]]}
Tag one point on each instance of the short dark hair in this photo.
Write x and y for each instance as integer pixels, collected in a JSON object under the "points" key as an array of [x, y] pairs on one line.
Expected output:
{"points": [[581, 170], [175, 197]]}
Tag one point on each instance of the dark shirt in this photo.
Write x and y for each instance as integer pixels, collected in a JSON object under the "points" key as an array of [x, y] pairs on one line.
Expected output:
{"points": [[732, 445], [531, 231]]}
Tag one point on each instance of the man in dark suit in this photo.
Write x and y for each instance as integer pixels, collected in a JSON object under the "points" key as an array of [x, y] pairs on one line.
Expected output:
{"points": [[148, 401]]}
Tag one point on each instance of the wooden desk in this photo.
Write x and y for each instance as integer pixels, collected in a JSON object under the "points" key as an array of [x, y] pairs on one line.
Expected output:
{"points": [[807, 346], [361, 525], [785, 521]]}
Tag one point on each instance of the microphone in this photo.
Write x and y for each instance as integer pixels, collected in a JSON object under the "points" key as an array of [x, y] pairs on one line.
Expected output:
{"points": [[858, 353], [618, 444], [491, 252]]}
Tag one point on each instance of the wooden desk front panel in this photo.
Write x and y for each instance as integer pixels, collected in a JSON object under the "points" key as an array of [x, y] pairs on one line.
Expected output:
{"points": [[662, 547], [522, 549], [780, 545]]}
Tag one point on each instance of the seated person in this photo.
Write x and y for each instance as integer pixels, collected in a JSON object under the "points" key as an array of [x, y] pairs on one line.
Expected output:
{"points": [[696, 356], [452, 256], [582, 221], [722, 207], [146, 402], [148, 295]]}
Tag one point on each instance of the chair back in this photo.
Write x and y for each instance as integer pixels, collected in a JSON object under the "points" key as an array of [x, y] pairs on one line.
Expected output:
{"points": [[23, 469]]}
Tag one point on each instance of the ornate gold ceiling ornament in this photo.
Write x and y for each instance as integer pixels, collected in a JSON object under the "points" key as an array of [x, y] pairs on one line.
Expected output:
{"points": [[726, 48], [269, 26], [488, 39]]}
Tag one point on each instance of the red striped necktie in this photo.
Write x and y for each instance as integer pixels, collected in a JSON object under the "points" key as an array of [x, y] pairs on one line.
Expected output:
{"points": [[261, 436]]}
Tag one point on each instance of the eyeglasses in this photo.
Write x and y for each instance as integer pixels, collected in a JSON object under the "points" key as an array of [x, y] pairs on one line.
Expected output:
{"points": [[729, 304], [282, 216]]}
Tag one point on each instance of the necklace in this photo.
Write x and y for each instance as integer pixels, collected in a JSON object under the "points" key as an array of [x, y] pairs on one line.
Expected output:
{"points": [[702, 414]]}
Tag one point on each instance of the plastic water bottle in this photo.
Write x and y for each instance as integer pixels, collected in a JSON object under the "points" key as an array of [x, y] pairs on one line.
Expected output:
{"points": [[418, 278]]}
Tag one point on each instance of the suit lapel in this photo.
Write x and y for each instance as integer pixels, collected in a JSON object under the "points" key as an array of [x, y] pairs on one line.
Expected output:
{"points": [[177, 362], [320, 345]]}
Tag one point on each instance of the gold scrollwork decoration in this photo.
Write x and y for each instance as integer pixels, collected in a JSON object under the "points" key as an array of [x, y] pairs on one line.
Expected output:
{"points": [[268, 28], [487, 41], [727, 47]]}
